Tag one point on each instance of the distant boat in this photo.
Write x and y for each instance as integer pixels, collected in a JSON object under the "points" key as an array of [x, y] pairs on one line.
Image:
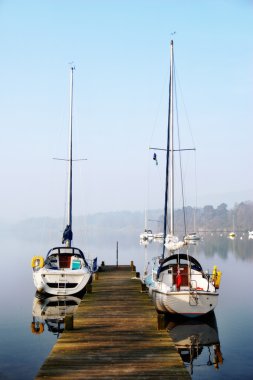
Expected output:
{"points": [[178, 283], [147, 235], [193, 236], [250, 236], [232, 234], [65, 270], [158, 236]]}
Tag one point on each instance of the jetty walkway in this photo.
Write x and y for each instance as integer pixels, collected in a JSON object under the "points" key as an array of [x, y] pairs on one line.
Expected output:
{"points": [[114, 336]]}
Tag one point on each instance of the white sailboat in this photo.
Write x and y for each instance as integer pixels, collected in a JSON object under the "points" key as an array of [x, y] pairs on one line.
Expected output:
{"points": [[65, 271], [232, 234], [147, 235], [179, 285], [192, 236]]}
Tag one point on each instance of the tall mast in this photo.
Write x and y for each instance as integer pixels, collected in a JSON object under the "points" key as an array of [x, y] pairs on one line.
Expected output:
{"points": [[171, 147], [68, 242], [168, 155]]}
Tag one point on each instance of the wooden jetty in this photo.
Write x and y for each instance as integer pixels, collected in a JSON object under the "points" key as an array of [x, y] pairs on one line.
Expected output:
{"points": [[114, 336]]}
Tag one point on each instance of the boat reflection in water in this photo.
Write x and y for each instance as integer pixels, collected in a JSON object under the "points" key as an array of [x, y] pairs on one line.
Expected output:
{"points": [[54, 312], [196, 340]]}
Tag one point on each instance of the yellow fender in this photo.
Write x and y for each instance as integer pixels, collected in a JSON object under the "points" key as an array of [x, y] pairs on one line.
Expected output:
{"points": [[37, 261], [37, 328], [216, 277]]}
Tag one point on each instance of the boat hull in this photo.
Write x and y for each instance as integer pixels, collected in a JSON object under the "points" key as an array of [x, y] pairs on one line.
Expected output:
{"points": [[189, 304], [61, 282]]}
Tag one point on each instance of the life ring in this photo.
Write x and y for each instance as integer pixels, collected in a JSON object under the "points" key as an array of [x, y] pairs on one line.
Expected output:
{"points": [[37, 261], [37, 328]]}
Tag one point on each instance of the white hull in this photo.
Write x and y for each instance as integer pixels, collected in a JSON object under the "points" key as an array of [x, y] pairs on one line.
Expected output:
{"points": [[147, 235], [180, 286], [61, 282], [192, 237], [158, 236], [189, 304]]}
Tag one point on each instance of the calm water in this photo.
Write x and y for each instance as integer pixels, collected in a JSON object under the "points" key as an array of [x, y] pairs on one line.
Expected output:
{"points": [[225, 337]]}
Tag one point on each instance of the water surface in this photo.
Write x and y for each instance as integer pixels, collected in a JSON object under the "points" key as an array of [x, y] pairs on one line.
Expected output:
{"points": [[22, 351]]}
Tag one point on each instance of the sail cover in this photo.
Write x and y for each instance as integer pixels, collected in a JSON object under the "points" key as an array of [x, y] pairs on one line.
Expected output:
{"points": [[67, 234]]}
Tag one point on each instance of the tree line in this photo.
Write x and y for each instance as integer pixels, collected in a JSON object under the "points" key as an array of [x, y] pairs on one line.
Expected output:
{"points": [[209, 218]]}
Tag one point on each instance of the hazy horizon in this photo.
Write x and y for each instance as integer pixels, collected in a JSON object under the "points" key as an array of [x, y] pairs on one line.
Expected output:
{"points": [[95, 213]]}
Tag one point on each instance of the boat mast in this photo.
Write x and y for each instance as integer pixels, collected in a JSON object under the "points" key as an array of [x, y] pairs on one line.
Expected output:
{"points": [[171, 147], [68, 241], [169, 166]]}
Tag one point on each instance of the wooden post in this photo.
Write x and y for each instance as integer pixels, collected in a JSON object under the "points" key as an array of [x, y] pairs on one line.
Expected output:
{"points": [[89, 288], [143, 287], [162, 321], [117, 254], [69, 322], [133, 268]]}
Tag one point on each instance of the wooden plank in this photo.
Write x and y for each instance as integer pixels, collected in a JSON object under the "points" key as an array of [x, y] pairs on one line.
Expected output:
{"points": [[114, 336]]}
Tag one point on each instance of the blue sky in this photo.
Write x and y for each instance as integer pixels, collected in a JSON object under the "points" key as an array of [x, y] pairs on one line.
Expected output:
{"points": [[121, 54]]}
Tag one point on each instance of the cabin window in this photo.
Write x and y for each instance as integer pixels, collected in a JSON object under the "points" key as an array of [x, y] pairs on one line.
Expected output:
{"points": [[76, 264]]}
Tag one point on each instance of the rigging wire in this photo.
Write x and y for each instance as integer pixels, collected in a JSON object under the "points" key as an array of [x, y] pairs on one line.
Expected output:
{"points": [[194, 148], [186, 112], [180, 159], [196, 193]]}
